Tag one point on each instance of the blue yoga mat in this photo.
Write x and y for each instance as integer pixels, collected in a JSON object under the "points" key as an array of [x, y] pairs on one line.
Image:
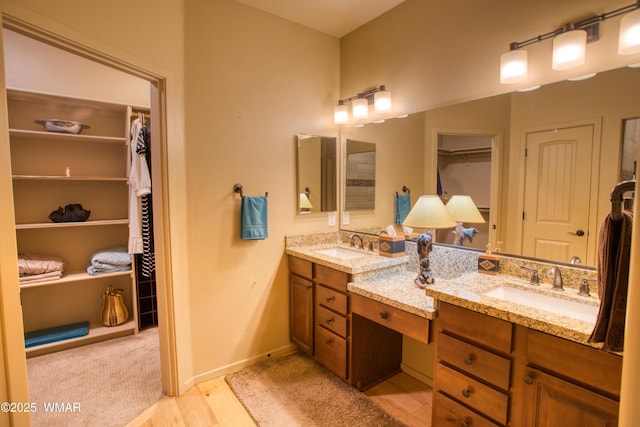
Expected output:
{"points": [[55, 334]]}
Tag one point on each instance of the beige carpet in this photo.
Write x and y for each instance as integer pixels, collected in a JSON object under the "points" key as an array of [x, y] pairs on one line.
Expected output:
{"points": [[110, 382], [296, 391]]}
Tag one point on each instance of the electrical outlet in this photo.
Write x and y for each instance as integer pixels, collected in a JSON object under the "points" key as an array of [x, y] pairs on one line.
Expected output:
{"points": [[332, 219], [345, 218]]}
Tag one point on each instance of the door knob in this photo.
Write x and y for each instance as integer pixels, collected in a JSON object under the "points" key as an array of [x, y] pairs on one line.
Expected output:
{"points": [[578, 233]]}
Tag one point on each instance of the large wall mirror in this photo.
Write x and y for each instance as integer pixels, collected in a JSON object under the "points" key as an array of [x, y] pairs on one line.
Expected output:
{"points": [[571, 130], [359, 175], [317, 187]]}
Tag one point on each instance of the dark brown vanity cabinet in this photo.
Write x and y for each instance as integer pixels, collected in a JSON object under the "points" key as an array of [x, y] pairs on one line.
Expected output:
{"points": [[301, 304]]}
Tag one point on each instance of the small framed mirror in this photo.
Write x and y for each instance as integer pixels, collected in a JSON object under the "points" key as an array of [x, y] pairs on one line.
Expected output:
{"points": [[317, 186]]}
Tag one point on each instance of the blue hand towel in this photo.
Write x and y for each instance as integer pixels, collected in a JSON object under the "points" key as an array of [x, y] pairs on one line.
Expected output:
{"points": [[403, 206], [55, 334], [253, 218]]}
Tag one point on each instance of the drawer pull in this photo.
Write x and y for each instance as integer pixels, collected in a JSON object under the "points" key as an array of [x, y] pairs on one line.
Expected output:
{"points": [[468, 360], [466, 392], [329, 321], [528, 379], [329, 299], [384, 315], [329, 341]]}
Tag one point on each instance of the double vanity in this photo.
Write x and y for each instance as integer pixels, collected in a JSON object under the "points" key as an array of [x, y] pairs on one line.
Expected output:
{"points": [[506, 352]]}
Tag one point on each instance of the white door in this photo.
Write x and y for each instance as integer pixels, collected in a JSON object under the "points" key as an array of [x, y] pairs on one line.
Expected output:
{"points": [[557, 193]]}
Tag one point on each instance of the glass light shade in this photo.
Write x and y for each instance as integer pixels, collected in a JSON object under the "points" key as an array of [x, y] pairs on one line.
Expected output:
{"points": [[360, 108], [513, 66], [462, 209], [340, 114], [429, 212], [569, 50], [382, 101], [629, 39]]}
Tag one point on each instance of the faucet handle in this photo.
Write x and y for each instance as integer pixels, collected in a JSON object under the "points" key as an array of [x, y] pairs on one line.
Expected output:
{"points": [[584, 286], [534, 280]]}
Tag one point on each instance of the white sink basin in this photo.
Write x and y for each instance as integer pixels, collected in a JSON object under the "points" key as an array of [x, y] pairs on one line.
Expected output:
{"points": [[342, 253], [563, 307]]}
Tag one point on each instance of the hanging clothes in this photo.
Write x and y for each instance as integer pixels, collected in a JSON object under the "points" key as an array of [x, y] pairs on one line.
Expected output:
{"points": [[143, 147], [139, 186]]}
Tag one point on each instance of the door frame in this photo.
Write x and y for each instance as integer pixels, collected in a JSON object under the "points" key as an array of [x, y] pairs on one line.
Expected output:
{"points": [[161, 214], [592, 236], [496, 163]]}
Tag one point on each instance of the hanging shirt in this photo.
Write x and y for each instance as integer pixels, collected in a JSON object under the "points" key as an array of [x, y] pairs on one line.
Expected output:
{"points": [[139, 185]]}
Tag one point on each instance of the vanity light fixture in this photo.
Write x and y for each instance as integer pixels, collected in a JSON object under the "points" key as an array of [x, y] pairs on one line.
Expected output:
{"points": [[569, 43], [380, 97]]}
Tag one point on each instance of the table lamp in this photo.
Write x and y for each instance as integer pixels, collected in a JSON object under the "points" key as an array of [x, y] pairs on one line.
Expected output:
{"points": [[462, 209], [430, 213], [305, 205]]}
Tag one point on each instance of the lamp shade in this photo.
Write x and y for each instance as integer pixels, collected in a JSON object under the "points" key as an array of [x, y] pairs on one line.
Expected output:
{"points": [[340, 113], [513, 66], [629, 39], [360, 108], [429, 212], [382, 101], [462, 209], [569, 49], [304, 203]]}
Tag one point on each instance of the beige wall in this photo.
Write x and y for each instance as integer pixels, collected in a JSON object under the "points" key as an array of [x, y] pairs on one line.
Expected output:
{"points": [[253, 81]]}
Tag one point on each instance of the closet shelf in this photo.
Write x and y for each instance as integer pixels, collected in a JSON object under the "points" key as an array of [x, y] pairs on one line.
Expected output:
{"points": [[97, 332], [75, 277], [53, 136], [35, 225], [461, 152], [69, 178]]}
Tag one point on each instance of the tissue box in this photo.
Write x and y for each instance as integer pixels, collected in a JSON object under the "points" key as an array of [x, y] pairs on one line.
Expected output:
{"points": [[391, 246]]}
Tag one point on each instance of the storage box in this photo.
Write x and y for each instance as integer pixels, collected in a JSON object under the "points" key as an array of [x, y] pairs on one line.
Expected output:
{"points": [[488, 264], [391, 246]]}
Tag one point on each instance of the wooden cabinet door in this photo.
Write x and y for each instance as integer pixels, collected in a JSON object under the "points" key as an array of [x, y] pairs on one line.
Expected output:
{"points": [[301, 318], [553, 402]]}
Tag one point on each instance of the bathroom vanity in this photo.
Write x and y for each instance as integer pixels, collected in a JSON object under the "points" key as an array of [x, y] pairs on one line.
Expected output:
{"points": [[497, 362]]}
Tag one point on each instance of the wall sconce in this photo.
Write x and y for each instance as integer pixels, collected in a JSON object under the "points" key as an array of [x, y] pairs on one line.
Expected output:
{"points": [[462, 209], [429, 212], [569, 43], [380, 97]]}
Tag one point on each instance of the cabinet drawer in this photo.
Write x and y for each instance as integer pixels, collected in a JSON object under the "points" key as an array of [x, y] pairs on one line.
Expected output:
{"points": [[447, 412], [587, 365], [332, 278], [331, 351], [301, 267], [400, 321], [332, 299], [480, 328], [331, 320], [474, 360], [483, 398]]}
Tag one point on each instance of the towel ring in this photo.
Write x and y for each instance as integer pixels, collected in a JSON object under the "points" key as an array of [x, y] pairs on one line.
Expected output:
{"points": [[405, 189], [237, 188], [617, 199]]}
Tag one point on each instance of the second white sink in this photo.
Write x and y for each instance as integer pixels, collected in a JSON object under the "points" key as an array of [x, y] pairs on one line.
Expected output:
{"points": [[563, 307], [342, 253]]}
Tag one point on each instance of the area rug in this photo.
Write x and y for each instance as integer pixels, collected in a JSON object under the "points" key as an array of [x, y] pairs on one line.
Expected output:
{"points": [[106, 384], [295, 390]]}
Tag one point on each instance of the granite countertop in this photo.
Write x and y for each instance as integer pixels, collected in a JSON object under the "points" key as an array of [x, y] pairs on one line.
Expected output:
{"points": [[468, 291], [370, 261], [397, 291]]}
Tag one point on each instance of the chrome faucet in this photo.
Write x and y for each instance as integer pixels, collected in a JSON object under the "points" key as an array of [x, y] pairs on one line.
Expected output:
{"points": [[557, 278], [352, 239], [533, 280]]}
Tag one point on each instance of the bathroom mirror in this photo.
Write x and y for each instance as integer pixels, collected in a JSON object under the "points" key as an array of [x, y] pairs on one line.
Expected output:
{"points": [[317, 186], [359, 175], [601, 104]]}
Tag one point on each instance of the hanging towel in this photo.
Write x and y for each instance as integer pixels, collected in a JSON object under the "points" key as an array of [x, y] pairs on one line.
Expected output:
{"points": [[253, 218], [614, 255], [403, 206], [439, 184]]}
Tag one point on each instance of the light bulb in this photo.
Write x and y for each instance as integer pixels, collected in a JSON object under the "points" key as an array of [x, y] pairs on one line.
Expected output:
{"points": [[569, 49], [360, 108], [382, 101], [629, 38], [513, 66], [340, 113]]}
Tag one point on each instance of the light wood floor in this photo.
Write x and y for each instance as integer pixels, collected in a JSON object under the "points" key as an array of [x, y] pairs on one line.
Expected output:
{"points": [[212, 403]]}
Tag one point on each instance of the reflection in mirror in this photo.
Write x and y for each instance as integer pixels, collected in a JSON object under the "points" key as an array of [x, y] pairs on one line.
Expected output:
{"points": [[360, 176], [526, 122], [630, 137], [317, 174]]}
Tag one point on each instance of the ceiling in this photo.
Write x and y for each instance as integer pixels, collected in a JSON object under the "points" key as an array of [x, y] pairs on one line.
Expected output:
{"points": [[333, 17]]}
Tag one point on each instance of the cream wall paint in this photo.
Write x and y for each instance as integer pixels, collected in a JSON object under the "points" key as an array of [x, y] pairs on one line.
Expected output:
{"points": [[253, 81]]}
